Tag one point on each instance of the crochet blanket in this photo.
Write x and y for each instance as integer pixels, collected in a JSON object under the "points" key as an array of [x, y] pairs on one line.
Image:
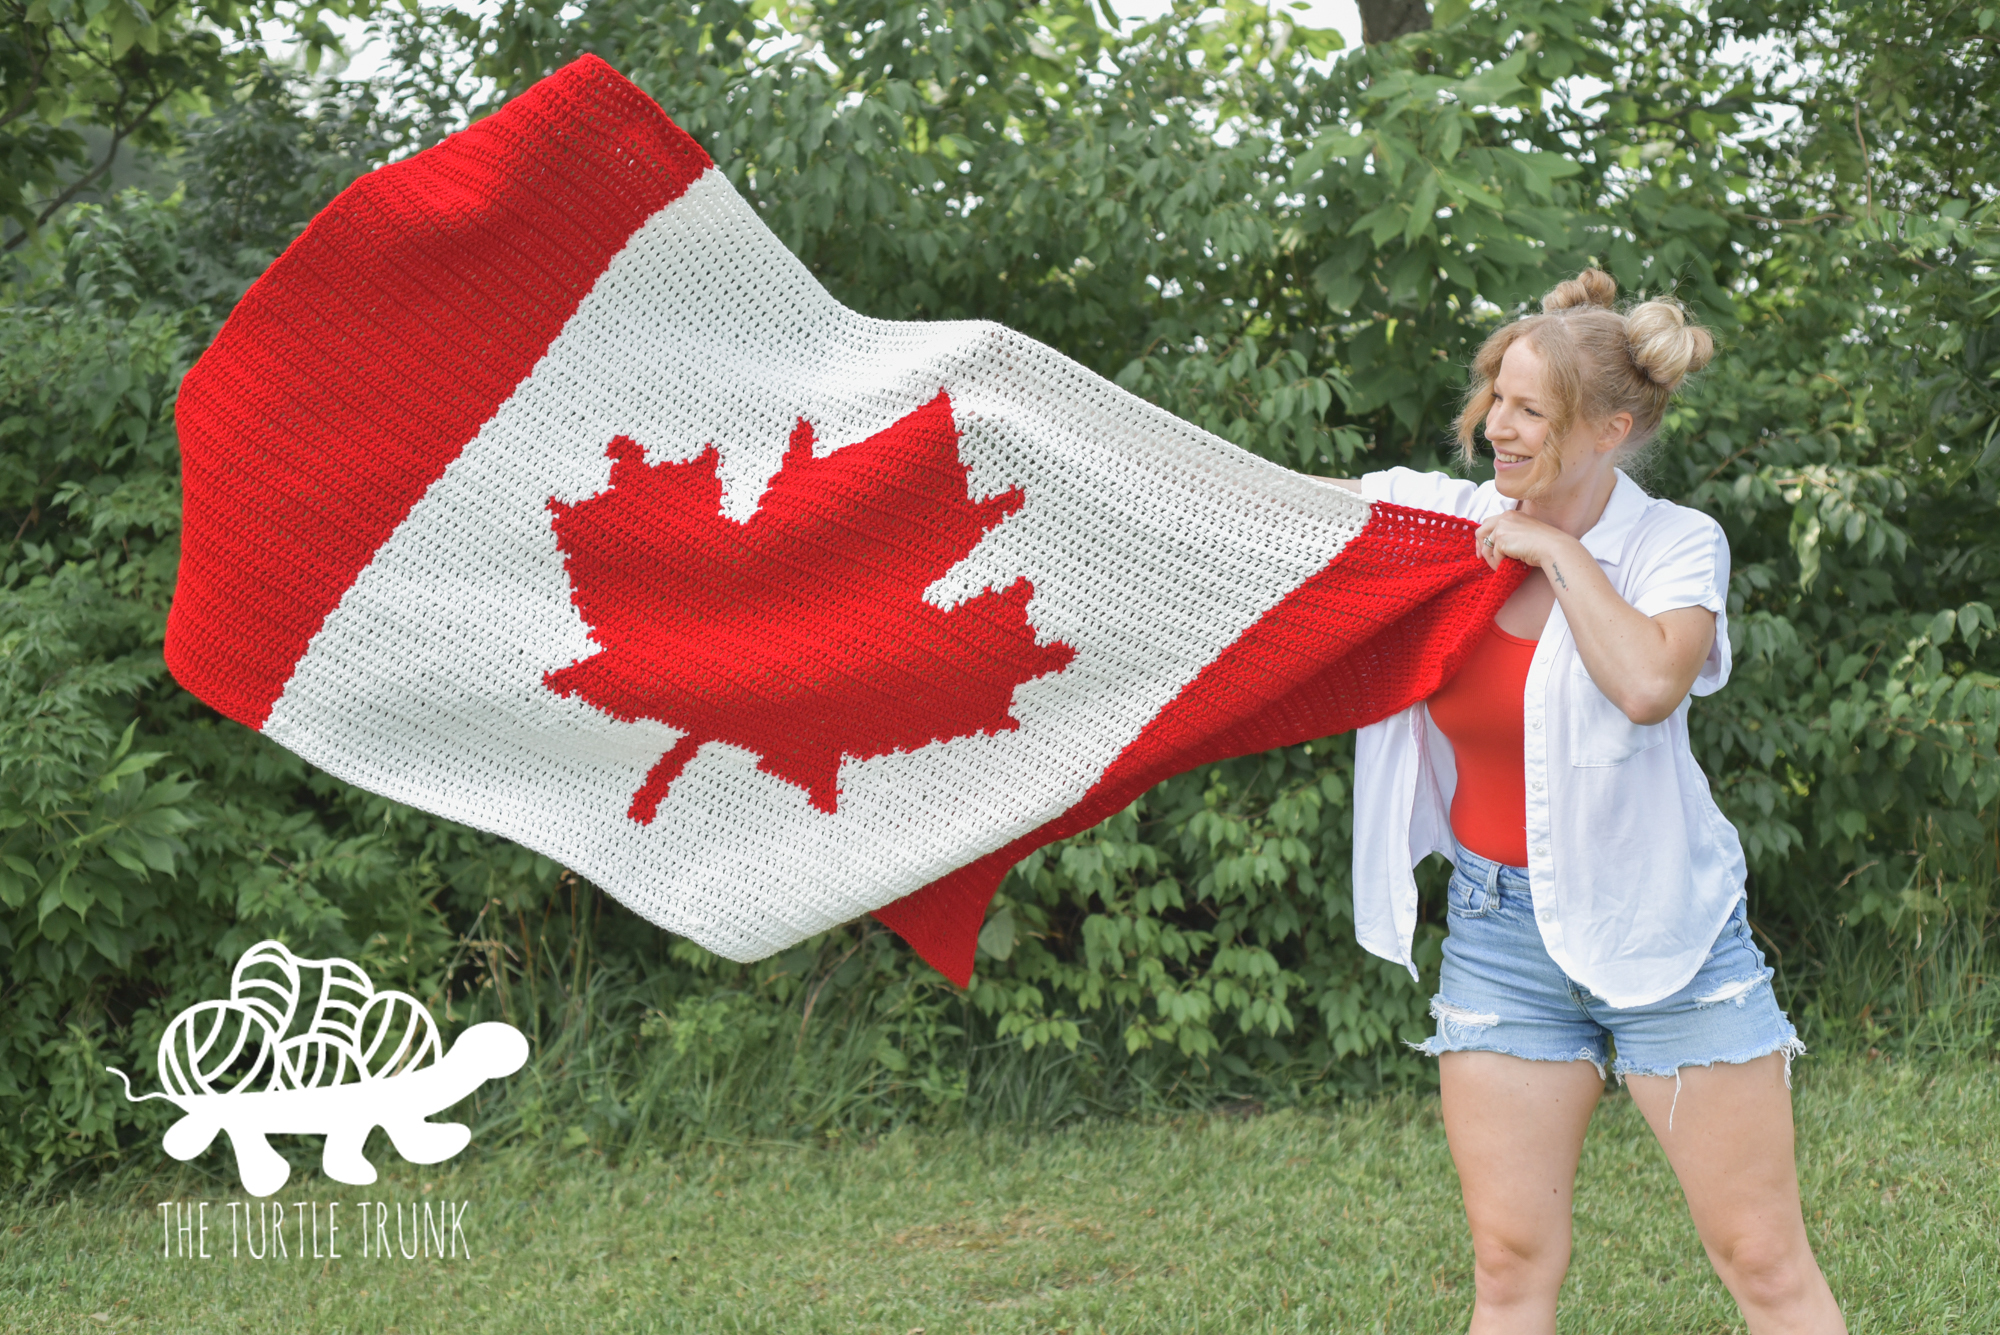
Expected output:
{"points": [[538, 486]]}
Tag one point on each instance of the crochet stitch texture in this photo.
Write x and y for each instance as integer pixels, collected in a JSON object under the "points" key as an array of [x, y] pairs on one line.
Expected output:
{"points": [[538, 486]]}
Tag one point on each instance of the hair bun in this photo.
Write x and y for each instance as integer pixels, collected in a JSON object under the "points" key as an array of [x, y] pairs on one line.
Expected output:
{"points": [[1664, 346], [1592, 287]]}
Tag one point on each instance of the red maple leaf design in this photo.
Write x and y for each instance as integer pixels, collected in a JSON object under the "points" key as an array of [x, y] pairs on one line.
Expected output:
{"points": [[802, 634]]}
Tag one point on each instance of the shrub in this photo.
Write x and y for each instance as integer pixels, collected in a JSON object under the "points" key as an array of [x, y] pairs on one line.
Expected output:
{"points": [[1296, 252]]}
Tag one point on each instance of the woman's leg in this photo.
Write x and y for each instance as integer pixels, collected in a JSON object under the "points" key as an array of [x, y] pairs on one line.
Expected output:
{"points": [[1516, 1130], [1727, 1132]]}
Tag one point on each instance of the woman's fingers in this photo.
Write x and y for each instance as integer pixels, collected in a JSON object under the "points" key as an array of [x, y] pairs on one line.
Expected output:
{"points": [[1489, 545], [1509, 534]]}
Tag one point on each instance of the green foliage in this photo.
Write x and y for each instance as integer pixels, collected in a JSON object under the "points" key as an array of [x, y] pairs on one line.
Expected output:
{"points": [[81, 81], [1297, 249]]}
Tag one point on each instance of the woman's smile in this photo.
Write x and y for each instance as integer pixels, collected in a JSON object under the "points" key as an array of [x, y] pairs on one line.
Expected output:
{"points": [[1517, 423]]}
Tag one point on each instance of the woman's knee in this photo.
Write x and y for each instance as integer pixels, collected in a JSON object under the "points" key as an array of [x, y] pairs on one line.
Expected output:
{"points": [[1510, 1267], [1765, 1268]]}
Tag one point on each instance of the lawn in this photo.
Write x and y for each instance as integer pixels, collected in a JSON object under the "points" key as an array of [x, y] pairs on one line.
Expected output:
{"points": [[1332, 1220]]}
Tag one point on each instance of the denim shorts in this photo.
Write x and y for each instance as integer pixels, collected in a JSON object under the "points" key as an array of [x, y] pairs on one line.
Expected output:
{"points": [[1500, 992]]}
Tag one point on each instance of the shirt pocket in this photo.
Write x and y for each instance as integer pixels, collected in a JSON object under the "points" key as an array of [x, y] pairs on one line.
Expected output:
{"points": [[1600, 735]]}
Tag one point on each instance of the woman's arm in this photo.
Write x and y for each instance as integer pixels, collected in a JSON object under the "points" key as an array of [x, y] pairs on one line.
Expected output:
{"points": [[1644, 665]]}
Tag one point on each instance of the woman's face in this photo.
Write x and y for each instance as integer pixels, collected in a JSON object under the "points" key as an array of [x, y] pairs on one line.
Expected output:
{"points": [[1517, 425], [1526, 456]]}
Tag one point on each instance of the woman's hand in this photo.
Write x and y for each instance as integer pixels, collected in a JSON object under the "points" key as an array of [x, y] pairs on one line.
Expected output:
{"points": [[1644, 665], [1529, 541]]}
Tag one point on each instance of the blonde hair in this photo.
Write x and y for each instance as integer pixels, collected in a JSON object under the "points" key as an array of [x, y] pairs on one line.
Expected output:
{"points": [[1596, 363]]}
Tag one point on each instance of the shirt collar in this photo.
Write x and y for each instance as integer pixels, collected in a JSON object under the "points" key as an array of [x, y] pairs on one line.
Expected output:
{"points": [[1606, 539]]}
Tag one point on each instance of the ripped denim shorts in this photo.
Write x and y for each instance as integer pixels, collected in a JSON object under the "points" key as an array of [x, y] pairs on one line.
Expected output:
{"points": [[1500, 992]]}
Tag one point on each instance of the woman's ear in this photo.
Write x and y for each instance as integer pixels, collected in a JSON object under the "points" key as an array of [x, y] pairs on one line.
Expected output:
{"points": [[1617, 429]]}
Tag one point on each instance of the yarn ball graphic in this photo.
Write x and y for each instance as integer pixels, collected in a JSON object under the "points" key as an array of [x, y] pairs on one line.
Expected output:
{"points": [[253, 1066]]}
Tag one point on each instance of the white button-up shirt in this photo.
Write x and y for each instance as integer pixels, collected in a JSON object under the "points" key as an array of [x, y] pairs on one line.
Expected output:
{"points": [[1632, 867]]}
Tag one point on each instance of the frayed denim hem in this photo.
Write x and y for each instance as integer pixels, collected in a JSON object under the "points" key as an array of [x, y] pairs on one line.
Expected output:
{"points": [[1792, 1046], [1461, 1029]]}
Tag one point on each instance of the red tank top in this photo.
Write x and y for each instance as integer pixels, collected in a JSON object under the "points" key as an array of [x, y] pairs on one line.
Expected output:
{"points": [[1479, 712]]}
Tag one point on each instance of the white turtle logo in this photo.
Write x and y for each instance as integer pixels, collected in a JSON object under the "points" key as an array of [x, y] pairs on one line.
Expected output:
{"points": [[367, 1059]]}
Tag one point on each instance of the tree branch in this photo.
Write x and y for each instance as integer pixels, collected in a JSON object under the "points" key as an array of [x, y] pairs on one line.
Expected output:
{"points": [[1867, 168], [1740, 216], [1717, 471], [27, 102], [1386, 20], [89, 178]]}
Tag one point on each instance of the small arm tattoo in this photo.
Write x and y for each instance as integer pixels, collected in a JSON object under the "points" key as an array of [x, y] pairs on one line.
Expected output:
{"points": [[1556, 570]]}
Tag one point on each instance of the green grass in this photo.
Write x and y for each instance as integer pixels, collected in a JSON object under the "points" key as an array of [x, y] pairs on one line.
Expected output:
{"points": [[1343, 1220]]}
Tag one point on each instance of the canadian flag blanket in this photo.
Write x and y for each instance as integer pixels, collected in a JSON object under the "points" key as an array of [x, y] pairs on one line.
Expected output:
{"points": [[537, 485]]}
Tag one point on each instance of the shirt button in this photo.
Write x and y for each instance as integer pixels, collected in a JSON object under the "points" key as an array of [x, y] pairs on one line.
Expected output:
{"points": [[1534, 725], [1536, 786], [1541, 850]]}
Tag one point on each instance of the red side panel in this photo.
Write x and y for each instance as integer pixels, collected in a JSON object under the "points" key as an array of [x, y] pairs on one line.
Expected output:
{"points": [[1382, 626], [377, 346]]}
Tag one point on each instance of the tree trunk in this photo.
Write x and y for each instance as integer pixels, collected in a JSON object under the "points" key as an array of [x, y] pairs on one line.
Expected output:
{"points": [[1386, 20]]}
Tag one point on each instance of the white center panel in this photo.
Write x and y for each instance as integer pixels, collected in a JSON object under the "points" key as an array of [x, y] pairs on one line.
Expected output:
{"points": [[1151, 546]]}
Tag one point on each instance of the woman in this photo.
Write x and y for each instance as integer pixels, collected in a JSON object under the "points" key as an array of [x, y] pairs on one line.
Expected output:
{"points": [[1596, 903]]}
